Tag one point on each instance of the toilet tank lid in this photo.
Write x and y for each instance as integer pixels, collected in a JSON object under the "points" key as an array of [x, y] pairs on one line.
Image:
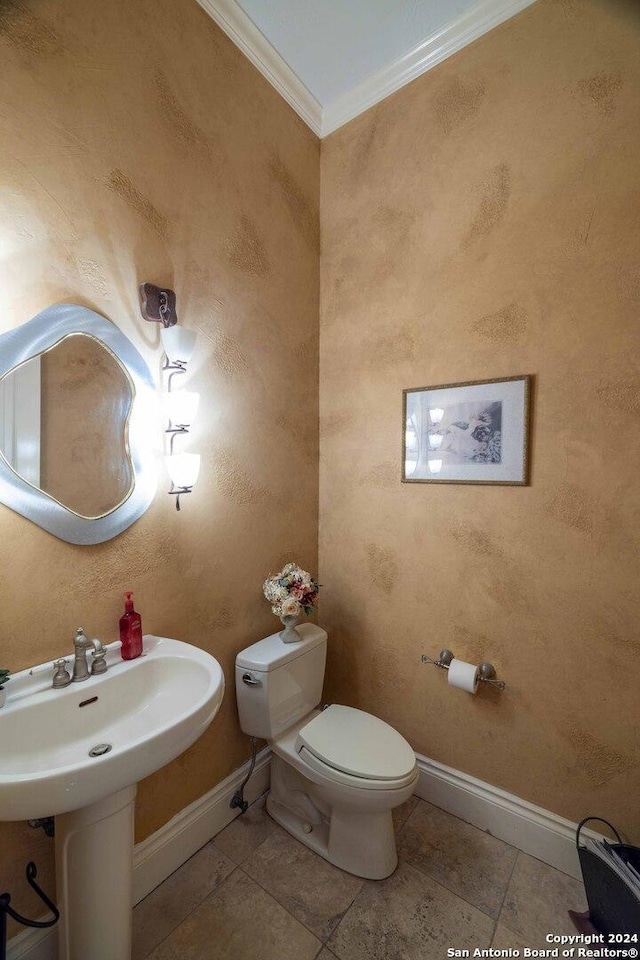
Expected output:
{"points": [[271, 652], [357, 743]]}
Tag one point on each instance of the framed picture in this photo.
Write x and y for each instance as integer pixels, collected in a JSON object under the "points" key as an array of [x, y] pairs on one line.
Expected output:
{"points": [[467, 432]]}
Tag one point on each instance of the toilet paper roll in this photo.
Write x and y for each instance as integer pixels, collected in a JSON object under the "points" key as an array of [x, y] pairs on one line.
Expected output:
{"points": [[463, 675]]}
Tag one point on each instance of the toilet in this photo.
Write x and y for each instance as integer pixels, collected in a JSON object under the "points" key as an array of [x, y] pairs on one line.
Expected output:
{"points": [[337, 772]]}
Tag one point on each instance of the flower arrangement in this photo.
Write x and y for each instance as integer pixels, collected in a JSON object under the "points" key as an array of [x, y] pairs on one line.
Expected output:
{"points": [[291, 590]]}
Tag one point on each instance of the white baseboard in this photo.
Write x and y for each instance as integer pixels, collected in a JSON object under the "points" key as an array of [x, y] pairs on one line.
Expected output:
{"points": [[532, 829], [155, 858], [34, 945]]}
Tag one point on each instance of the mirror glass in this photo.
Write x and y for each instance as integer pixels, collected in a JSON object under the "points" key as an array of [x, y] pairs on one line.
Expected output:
{"points": [[64, 423], [77, 421]]}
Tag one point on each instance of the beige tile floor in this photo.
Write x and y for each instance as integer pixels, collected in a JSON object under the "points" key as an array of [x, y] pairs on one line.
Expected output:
{"points": [[255, 893]]}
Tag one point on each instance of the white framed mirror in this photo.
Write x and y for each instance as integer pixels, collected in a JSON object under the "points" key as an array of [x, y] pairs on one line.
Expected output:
{"points": [[77, 419]]}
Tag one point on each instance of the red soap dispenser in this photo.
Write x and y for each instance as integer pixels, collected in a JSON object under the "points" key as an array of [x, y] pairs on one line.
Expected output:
{"points": [[130, 630]]}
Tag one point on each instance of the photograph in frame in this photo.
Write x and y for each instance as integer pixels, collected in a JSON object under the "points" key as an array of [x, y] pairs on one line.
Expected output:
{"points": [[474, 432]]}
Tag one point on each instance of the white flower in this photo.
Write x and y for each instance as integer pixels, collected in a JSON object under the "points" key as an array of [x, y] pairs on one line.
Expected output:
{"points": [[268, 588], [286, 590], [290, 607]]}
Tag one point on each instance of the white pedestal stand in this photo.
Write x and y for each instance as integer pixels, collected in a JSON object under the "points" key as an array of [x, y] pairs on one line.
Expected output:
{"points": [[94, 878]]}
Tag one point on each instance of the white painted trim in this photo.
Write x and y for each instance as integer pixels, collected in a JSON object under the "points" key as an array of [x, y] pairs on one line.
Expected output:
{"points": [[156, 858], [532, 829], [473, 23], [34, 944], [231, 18]]}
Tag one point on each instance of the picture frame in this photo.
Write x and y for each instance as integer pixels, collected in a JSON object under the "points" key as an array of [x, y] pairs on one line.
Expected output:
{"points": [[475, 432]]}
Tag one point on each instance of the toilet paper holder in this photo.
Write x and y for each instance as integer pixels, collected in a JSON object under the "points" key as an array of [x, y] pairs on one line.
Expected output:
{"points": [[486, 671]]}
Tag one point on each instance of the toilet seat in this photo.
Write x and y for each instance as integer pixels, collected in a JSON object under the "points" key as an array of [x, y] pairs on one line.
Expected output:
{"points": [[308, 763], [354, 747]]}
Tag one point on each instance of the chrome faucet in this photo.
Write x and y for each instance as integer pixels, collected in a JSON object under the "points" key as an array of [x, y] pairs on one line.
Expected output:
{"points": [[80, 667]]}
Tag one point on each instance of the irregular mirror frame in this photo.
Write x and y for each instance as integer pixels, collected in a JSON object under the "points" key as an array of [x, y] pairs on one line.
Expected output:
{"points": [[35, 337]]}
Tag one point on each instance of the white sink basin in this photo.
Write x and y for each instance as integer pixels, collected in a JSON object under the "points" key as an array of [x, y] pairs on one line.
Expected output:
{"points": [[148, 710]]}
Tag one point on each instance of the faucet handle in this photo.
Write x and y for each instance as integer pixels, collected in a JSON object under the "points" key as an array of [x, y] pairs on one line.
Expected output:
{"points": [[99, 663], [61, 676]]}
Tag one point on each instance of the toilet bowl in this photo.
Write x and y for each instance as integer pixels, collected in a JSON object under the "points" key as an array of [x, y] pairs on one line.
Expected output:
{"points": [[336, 773]]}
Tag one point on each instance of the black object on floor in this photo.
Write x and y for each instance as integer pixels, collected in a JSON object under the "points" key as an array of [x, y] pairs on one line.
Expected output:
{"points": [[613, 906], [5, 899]]}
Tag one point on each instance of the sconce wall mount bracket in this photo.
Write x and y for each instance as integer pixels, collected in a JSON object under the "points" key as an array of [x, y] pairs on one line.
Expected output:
{"points": [[158, 304]]}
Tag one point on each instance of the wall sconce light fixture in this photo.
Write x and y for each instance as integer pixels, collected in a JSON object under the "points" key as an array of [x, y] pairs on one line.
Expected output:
{"points": [[159, 306]]}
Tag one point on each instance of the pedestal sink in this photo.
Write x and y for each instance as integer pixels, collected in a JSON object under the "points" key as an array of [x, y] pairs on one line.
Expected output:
{"points": [[77, 754]]}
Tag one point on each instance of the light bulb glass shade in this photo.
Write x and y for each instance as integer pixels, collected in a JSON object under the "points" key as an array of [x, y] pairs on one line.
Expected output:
{"points": [[436, 414], [181, 406], [178, 343], [183, 468], [435, 466], [435, 441]]}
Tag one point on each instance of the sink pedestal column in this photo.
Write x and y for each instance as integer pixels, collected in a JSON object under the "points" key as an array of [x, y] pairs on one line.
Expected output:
{"points": [[94, 878]]}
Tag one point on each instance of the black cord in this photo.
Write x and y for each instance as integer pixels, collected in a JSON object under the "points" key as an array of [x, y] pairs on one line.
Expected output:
{"points": [[238, 800], [5, 909]]}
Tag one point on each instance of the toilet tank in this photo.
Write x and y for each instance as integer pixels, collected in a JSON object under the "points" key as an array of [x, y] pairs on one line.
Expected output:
{"points": [[279, 683]]}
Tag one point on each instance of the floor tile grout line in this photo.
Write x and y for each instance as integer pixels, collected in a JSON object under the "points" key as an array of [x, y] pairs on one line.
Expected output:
{"points": [[325, 941], [244, 859], [236, 866], [200, 902], [506, 889], [455, 893], [416, 805], [283, 907], [349, 908], [193, 909], [433, 880], [322, 941]]}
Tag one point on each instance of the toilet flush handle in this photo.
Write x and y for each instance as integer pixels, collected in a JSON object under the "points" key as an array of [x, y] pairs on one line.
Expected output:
{"points": [[251, 681]]}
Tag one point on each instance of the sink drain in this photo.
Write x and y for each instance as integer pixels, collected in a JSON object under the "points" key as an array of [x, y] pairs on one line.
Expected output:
{"points": [[99, 749]]}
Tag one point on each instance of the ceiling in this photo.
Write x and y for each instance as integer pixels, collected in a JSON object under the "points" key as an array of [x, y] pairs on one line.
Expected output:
{"points": [[332, 59], [334, 44]]}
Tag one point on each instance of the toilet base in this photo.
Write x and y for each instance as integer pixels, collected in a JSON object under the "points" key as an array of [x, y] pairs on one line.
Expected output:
{"points": [[357, 840]]}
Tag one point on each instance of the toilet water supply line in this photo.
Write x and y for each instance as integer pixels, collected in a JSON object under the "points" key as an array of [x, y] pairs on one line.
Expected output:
{"points": [[238, 800], [486, 673]]}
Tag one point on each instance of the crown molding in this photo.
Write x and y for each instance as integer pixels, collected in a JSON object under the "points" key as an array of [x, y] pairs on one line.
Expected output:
{"points": [[473, 23], [231, 18]]}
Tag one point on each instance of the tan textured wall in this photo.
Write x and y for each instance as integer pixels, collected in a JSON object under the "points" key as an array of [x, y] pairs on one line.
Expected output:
{"points": [[137, 143], [481, 223]]}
